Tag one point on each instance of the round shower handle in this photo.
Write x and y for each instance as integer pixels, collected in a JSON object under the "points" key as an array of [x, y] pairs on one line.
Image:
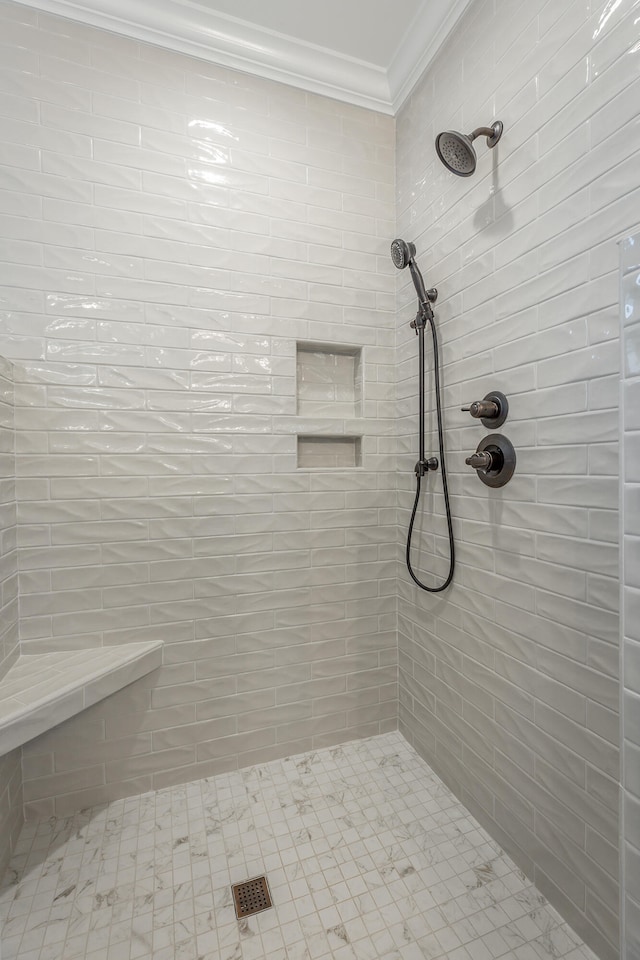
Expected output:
{"points": [[482, 408], [480, 461], [432, 294], [494, 460], [492, 410]]}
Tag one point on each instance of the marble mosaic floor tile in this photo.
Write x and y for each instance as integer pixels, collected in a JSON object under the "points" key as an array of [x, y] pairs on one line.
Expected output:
{"points": [[368, 856]]}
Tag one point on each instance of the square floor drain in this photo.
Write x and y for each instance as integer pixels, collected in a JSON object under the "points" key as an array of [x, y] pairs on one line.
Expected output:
{"points": [[251, 897]]}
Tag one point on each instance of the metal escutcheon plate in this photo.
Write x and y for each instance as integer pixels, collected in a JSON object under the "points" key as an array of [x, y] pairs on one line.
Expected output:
{"points": [[504, 453], [503, 406]]}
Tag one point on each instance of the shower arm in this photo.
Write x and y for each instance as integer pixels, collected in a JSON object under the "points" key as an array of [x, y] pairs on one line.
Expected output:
{"points": [[482, 132], [492, 133]]}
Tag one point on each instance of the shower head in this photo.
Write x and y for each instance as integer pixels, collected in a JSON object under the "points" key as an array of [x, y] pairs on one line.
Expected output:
{"points": [[402, 253], [456, 149]]}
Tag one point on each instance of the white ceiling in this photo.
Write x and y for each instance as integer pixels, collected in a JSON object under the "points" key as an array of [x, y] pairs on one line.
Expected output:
{"points": [[368, 52], [370, 30]]}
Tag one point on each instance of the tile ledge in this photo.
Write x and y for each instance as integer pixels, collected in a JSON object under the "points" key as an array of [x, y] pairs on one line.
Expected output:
{"points": [[41, 690]]}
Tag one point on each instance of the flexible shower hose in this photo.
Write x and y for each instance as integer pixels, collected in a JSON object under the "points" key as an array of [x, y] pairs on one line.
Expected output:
{"points": [[436, 370]]}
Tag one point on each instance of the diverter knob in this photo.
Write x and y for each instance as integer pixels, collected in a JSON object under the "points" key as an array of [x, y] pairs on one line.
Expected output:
{"points": [[494, 460], [480, 461]]}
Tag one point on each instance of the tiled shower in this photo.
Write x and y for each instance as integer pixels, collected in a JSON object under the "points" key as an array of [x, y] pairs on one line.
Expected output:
{"points": [[210, 388]]}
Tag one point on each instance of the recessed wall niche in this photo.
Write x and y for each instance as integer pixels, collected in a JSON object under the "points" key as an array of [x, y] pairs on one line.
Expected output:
{"points": [[329, 380], [329, 452]]}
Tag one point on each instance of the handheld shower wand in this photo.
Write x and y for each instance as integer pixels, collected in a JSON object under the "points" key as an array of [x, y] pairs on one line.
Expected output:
{"points": [[403, 255]]}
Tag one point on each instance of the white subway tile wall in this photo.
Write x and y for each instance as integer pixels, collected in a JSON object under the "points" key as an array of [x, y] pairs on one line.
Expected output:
{"points": [[328, 381], [509, 683], [11, 805], [10, 764], [173, 229], [630, 633], [8, 525]]}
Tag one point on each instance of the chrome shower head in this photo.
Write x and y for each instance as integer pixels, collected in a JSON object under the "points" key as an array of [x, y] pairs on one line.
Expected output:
{"points": [[456, 149], [402, 253]]}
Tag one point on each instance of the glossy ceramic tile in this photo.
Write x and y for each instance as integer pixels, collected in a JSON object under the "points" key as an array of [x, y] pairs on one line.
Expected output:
{"points": [[629, 490], [8, 521], [367, 853], [11, 815], [41, 690], [525, 257], [171, 235]]}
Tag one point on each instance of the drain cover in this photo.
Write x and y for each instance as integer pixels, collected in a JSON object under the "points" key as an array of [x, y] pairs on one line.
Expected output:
{"points": [[251, 897]]}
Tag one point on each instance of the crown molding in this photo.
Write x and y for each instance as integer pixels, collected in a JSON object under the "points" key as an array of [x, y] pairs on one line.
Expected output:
{"points": [[191, 28], [426, 34]]}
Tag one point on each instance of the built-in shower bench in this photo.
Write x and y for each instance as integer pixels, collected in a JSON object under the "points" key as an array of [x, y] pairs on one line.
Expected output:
{"points": [[40, 690]]}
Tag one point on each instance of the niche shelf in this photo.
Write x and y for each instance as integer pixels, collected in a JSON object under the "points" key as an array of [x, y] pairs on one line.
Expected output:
{"points": [[315, 452], [328, 380]]}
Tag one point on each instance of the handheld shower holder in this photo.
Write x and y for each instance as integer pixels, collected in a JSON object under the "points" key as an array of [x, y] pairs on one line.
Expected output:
{"points": [[423, 466], [424, 309]]}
